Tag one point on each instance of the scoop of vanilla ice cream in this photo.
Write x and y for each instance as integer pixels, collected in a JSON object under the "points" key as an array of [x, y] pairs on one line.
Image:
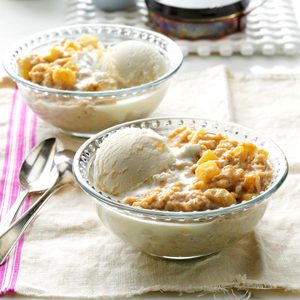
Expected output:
{"points": [[129, 157], [137, 62]]}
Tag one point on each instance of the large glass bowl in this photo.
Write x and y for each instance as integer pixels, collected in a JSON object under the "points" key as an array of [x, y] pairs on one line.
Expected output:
{"points": [[84, 113], [180, 235]]}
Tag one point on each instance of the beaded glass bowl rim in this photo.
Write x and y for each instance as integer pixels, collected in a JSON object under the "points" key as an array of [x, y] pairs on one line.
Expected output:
{"points": [[38, 39], [82, 156]]}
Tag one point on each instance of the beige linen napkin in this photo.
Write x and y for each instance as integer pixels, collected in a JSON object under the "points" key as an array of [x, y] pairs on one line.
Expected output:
{"points": [[68, 252]]}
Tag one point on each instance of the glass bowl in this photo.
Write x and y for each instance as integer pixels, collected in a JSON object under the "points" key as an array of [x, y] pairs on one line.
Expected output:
{"points": [[84, 113], [180, 235]]}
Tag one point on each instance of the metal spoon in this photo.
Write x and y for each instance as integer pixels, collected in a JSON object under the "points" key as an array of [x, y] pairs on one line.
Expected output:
{"points": [[33, 176], [63, 174]]}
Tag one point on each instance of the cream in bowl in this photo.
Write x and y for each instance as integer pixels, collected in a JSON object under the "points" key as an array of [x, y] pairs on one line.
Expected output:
{"points": [[180, 188], [85, 78]]}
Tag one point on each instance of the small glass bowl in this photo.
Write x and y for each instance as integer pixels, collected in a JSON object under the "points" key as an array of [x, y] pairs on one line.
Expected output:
{"points": [[180, 235], [84, 113]]}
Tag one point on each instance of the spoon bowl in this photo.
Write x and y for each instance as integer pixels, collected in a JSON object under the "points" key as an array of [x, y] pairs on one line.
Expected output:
{"points": [[36, 175], [37, 166], [63, 161]]}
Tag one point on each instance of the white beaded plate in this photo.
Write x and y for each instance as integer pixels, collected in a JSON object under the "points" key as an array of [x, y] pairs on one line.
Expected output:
{"points": [[271, 29]]}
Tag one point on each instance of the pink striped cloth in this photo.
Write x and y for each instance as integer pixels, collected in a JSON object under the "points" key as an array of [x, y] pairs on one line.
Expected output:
{"points": [[20, 138]]}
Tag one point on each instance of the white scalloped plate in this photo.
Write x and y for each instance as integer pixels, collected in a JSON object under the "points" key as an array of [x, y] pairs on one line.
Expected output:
{"points": [[271, 29]]}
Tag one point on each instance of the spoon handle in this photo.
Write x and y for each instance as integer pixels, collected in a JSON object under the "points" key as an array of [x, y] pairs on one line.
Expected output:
{"points": [[9, 238], [13, 211]]}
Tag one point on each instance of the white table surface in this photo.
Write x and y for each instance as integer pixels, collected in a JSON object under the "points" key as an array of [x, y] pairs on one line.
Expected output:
{"points": [[19, 18]]}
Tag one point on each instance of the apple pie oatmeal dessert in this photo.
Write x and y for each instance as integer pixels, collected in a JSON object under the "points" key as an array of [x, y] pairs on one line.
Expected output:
{"points": [[85, 64], [189, 170], [178, 191]]}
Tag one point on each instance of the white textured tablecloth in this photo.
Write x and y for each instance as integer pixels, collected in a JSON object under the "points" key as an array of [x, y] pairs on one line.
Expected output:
{"points": [[67, 252]]}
